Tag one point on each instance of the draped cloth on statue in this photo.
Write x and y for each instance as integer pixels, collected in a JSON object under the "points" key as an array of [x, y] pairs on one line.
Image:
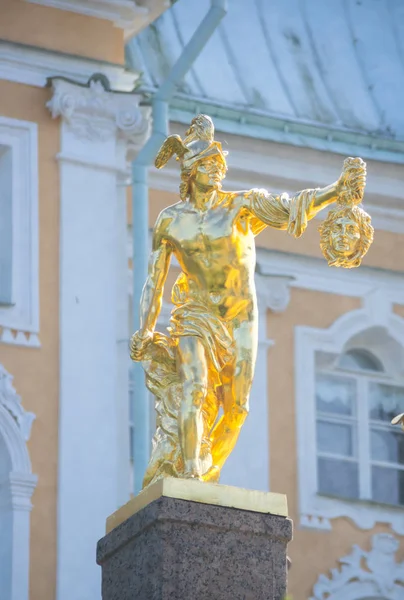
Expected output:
{"points": [[280, 211], [192, 317]]}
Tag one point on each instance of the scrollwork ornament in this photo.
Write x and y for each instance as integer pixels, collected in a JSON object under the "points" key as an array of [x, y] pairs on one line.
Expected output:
{"points": [[94, 112]]}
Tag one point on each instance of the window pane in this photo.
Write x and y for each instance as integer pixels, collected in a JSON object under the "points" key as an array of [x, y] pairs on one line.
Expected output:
{"points": [[387, 446], [388, 485], [335, 394], [360, 360], [335, 438], [338, 477], [385, 401]]}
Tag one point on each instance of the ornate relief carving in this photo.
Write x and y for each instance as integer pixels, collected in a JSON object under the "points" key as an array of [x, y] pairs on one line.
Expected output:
{"points": [[273, 291], [377, 568], [97, 113], [12, 402]]}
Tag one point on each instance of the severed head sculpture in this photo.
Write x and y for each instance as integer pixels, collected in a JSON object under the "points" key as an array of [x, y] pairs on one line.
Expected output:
{"points": [[347, 233]]}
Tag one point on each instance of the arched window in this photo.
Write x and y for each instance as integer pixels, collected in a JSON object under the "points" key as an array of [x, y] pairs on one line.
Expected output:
{"points": [[17, 484], [359, 454]]}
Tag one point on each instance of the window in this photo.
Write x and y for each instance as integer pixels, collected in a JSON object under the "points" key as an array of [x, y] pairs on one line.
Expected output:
{"points": [[6, 226], [19, 293], [359, 454]]}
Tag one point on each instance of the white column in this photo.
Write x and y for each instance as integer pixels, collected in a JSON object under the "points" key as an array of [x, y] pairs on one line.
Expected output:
{"points": [[97, 126], [248, 465], [22, 486]]}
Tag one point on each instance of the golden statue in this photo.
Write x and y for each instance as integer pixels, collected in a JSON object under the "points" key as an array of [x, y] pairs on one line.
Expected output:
{"points": [[201, 373], [399, 420]]}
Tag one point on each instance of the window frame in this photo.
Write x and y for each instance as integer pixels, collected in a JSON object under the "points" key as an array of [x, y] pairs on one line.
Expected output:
{"points": [[317, 511], [19, 320], [364, 425]]}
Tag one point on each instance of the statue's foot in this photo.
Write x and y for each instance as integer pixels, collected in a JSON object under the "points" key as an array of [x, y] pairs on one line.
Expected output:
{"points": [[192, 475], [192, 469], [212, 475]]}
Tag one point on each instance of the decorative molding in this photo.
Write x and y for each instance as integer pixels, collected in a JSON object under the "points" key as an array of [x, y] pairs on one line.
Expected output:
{"points": [[16, 492], [317, 511], [12, 402], [273, 291], [364, 575], [125, 14], [19, 322], [30, 65], [16, 487], [96, 113]]}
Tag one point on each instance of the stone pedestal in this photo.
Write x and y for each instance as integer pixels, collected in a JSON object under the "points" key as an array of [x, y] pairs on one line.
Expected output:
{"points": [[187, 540]]}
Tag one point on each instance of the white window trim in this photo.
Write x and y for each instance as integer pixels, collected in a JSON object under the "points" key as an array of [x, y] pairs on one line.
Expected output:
{"points": [[361, 423], [20, 322], [317, 511], [383, 577]]}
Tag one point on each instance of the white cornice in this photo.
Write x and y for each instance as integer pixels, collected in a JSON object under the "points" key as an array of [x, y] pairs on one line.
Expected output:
{"points": [[32, 66], [120, 12], [125, 14]]}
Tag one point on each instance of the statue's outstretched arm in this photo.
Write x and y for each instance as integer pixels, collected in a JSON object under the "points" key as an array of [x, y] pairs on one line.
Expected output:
{"points": [[293, 212], [152, 294]]}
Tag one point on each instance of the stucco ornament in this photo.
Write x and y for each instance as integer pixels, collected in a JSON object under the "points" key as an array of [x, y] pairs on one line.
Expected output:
{"points": [[12, 402], [95, 112], [377, 568]]}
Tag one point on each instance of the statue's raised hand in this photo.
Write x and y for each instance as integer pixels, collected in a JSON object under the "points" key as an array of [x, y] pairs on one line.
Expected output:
{"points": [[139, 343], [351, 184]]}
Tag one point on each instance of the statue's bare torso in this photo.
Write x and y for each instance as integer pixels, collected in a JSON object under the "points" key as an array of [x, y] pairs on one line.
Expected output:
{"points": [[216, 251]]}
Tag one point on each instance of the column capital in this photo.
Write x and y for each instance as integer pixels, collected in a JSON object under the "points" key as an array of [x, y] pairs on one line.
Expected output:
{"points": [[96, 113], [273, 291]]}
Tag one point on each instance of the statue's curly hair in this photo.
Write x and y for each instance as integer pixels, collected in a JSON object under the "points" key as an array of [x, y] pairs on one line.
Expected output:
{"points": [[357, 214], [188, 174]]}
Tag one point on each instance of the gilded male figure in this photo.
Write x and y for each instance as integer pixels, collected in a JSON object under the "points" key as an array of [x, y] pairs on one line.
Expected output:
{"points": [[201, 373]]}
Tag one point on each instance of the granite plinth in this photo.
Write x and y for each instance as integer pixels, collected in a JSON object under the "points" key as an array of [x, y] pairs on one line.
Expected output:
{"points": [[178, 549]]}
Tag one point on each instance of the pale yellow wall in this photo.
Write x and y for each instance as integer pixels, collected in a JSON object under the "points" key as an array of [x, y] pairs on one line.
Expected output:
{"points": [[398, 309], [60, 30], [312, 552], [36, 371]]}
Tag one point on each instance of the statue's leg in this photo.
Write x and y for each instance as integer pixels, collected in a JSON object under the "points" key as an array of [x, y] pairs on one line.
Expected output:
{"points": [[193, 370], [236, 392]]}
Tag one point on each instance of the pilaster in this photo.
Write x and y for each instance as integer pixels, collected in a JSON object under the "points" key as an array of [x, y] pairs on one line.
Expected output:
{"points": [[98, 128]]}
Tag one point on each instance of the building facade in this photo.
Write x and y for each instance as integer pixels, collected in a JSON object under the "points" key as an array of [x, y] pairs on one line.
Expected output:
{"points": [[293, 88]]}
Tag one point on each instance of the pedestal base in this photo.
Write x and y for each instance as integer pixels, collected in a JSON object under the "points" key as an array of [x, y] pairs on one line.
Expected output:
{"points": [[182, 549]]}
